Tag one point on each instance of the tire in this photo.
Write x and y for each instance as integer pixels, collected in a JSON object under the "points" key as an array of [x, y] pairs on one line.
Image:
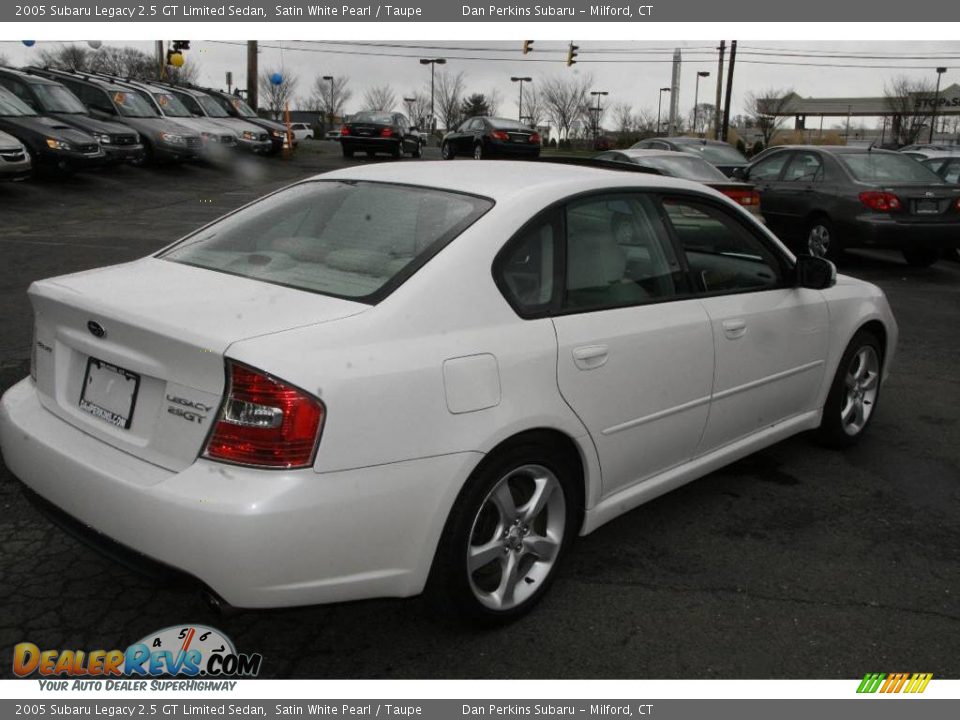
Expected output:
{"points": [[446, 151], [854, 393], [821, 239], [397, 152], [478, 151], [516, 548], [347, 152], [920, 257], [418, 153]]}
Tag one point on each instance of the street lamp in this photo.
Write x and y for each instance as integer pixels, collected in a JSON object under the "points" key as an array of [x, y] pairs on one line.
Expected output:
{"points": [[659, 105], [520, 80], [432, 62], [596, 119], [329, 78], [696, 97], [410, 101], [936, 101]]}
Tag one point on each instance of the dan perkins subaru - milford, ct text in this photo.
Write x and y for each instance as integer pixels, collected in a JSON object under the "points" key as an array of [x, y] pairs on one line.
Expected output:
{"points": [[623, 11]]}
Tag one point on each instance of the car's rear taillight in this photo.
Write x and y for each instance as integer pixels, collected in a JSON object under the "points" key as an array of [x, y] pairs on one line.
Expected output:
{"points": [[956, 204], [535, 138], [499, 135], [344, 129], [880, 201], [265, 423], [747, 198], [386, 132]]}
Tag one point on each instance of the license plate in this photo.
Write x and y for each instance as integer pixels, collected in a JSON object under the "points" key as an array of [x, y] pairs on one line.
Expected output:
{"points": [[927, 207], [519, 138], [109, 393]]}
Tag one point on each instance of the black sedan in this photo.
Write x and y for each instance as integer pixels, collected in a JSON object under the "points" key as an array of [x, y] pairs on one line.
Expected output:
{"points": [[723, 156], [51, 143], [50, 98], [375, 132], [690, 167], [947, 168], [482, 137], [823, 199]]}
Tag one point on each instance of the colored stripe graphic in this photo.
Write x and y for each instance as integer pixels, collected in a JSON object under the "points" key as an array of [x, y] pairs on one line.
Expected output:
{"points": [[870, 683], [894, 682]]}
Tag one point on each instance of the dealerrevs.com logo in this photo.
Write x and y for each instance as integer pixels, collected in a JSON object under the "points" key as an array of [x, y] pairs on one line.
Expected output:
{"points": [[178, 651], [894, 682]]}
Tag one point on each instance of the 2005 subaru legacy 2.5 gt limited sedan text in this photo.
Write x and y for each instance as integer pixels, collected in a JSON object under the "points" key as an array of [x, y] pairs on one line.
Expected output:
{"points": [[385, 380]]}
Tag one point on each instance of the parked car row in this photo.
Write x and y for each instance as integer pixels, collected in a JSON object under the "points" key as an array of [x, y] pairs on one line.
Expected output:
{"points": [[65, 120], [823, 199]]}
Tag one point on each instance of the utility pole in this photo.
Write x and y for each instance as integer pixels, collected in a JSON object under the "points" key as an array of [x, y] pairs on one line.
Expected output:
{"points": [[252, 73], [716, 107], [161, 60], [726, 101]]}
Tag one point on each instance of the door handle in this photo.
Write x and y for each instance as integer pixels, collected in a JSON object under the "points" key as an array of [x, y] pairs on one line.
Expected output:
{"points": [[589, 357], [734, 329]]}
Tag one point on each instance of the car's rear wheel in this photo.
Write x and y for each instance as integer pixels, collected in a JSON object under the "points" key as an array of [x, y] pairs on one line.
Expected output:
{"points": [[347, 152], [821, 239], [506, 534], [446, 151], [852, 400], [920, 256], [418, 151], [397, 150], [478, 151]]}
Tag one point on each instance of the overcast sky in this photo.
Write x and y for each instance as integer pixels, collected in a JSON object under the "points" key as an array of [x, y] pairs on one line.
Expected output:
{"points": [[635, 82]]}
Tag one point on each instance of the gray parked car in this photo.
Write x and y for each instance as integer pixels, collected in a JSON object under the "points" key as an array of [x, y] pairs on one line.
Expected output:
{"points": [[14, 160], [822, 199]]}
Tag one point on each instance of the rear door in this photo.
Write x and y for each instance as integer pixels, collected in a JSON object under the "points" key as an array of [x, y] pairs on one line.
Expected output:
{"points": [[770, 337], [766, 178], [635, 347], [801, 188]]}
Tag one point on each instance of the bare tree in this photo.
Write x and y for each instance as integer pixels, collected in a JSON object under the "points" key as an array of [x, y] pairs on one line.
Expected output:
{"points": [[909, 102], [123, 62], [65, 57], [533, 107], [381, 98], [623, 117], [448, 97], [701, 118], [276, 96], [564, 98], [418, 108], [644, 121], [330, 96], [766, 108], [494, 99]]}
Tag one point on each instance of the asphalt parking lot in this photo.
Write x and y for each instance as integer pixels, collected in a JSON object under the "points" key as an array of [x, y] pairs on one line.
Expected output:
{"points": [[796, 562]]}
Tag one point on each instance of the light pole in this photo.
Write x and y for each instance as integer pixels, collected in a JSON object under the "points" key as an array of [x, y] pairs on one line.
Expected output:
{"points": [[329, 78], [696, 96], [432, 62], [936, 100], [659, 105], [596, 119], [410, 101], [520, 80]]}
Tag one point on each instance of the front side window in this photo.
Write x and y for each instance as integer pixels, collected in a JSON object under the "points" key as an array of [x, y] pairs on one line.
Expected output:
{"points": [[355, 240], [617, 254], [723, 255], [769, 168]]}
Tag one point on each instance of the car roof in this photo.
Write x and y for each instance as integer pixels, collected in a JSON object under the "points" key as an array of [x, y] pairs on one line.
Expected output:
{"points": [[653, 152], [28, 77], [684, 140], [836, 149], [507, 181], [57, 75]]}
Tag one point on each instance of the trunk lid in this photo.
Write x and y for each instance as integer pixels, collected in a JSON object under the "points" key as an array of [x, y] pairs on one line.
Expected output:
{"points": [[922, 201], [134, 354]]}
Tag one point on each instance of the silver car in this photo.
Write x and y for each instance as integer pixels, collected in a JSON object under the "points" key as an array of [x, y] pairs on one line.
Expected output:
{"points": [[15, 161]]}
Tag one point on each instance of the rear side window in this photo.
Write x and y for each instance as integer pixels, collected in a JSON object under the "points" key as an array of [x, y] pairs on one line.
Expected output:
{"points": [[723, 255], [952, 173], [355, 240], [525, 271]]}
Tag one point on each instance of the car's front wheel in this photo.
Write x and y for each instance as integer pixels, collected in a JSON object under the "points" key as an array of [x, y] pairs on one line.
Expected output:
{"points": [[446, 151], [852, 400], [478, 153], [822, 239], [920, 256], [506, 534]]}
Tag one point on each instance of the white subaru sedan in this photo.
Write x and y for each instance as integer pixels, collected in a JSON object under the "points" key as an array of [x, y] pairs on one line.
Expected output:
{"points": [[391, 379]]}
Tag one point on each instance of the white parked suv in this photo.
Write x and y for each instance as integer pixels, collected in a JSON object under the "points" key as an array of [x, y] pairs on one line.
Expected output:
{"points": [[393, 378]]}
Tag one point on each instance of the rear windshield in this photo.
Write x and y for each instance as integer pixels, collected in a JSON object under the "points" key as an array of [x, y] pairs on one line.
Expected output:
{"points": [[373, 117], [682, 166], [874, 167], [507, 124], [348, 239], [716, 154]]}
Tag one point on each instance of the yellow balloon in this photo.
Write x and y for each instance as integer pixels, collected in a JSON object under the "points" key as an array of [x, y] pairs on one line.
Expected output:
{"points": [[177, 60]]}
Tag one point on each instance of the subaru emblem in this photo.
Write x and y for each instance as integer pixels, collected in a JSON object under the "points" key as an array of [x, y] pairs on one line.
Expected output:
{"points": [[96, 328]]}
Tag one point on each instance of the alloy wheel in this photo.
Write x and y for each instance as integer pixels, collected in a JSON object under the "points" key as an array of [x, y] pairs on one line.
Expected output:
{"points": [[818, 241], [516, 537], [478, 152], [861, 383]]}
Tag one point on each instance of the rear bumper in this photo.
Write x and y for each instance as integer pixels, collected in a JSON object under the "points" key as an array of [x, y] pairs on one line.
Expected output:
{"points": [[375, 144], [257, 538], [516, 149], [885, 232]]}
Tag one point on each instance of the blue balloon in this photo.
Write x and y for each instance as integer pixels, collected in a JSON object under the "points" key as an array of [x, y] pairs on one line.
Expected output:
{"points": [[276, 79], [29, 43]]}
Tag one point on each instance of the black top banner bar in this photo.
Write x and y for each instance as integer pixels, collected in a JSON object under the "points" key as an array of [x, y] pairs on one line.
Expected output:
{"points": [[501, 11]]}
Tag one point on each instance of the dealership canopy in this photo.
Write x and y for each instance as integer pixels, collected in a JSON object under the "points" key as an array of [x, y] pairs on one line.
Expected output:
{"points": [[947, 103]]}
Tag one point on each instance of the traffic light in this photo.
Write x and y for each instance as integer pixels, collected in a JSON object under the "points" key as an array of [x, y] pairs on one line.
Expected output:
{"points": [[180, 45], [527, 46], [571, 54]]}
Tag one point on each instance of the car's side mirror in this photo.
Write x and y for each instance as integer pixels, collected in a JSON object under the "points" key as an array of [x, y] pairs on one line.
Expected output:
{"points": [[739, 173], [815, 273]]}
